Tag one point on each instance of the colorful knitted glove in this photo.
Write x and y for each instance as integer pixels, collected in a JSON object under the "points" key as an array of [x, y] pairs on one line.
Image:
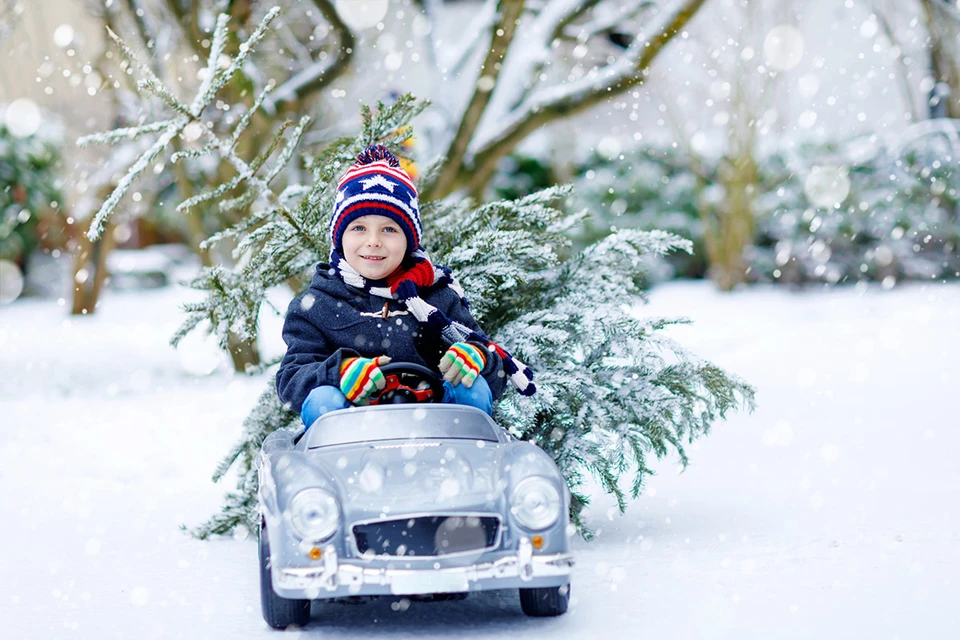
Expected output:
{"points": [[462, 364], [361, 377]]}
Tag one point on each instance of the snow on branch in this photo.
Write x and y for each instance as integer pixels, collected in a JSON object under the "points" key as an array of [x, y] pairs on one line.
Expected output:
{"points": [[626, 71], [245, 118], [529, 54], [480, 26], [321, 73], [292, 142], [124, 133], [96, 226], [213, 63], [507, 18], [289, 89], [212, 82], [246, 48], [608, 21]]}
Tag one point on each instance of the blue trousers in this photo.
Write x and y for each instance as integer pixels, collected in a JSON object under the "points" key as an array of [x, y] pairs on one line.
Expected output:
{"points": [[329, 398]]}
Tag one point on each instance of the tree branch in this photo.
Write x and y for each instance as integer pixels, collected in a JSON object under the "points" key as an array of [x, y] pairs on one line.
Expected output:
{"points": [[482, 22], [504, 30], [317, 76], [528, 57], [564, 20], [554, 103], [602, 25]]}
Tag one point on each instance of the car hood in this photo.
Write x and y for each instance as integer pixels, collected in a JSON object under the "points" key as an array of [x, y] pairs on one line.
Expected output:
{"points": [[395, 478]]}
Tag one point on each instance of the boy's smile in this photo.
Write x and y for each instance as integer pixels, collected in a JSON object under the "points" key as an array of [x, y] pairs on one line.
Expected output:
{"points": [[374, 246]]}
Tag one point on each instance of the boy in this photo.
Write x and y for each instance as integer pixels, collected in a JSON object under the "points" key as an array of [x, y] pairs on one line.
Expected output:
{"points": [[379, 299]]}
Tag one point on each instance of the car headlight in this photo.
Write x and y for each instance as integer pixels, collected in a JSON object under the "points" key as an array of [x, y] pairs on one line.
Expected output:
{"points": [[314, 514], [536, 503]]}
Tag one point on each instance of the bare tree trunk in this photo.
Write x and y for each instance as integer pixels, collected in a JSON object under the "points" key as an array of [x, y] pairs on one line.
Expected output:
{"points": [[244, 354], [732, 231], [734, 228], [943, 30], [90, 268], [887, 18]]}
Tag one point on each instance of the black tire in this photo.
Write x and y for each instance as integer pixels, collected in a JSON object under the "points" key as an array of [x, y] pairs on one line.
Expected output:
{"points": [[545, 601], [278, 612]]}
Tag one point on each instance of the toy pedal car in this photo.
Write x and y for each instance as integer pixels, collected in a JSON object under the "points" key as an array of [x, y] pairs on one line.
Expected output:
{"points": [[407, 498]]}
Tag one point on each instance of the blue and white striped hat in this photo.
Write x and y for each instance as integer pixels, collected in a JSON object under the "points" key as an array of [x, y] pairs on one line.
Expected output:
{"points": [[377, 185]]}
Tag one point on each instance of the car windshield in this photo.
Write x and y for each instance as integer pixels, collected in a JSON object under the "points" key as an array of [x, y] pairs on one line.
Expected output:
{"points": [[401, 422]]}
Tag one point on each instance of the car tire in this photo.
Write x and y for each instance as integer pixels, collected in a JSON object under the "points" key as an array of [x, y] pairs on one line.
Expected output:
{"points": [[545, 602], [278, 612]]}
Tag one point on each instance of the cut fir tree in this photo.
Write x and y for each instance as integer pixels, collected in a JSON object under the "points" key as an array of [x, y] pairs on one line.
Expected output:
{"points": [[613, 390]]}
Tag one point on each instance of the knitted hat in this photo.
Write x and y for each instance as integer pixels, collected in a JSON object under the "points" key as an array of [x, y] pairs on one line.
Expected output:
{"points": [[376, 185]]}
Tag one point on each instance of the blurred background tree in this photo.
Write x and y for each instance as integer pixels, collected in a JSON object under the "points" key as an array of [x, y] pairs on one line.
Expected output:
{"points": [[711, 99], [738, 161], [30, 193]]}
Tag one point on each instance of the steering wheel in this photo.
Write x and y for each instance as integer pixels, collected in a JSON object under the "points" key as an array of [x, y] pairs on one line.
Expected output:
{"points": [[402, 382]]}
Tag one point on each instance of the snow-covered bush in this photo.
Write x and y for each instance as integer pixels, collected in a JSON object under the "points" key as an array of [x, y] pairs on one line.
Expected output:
{"points": [[651, 188], [865, 209], [30, 191], [519, 175]]}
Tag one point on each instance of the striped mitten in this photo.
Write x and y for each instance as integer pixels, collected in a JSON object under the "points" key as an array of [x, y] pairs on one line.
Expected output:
{"points": [[361, 377], [462, 364]]}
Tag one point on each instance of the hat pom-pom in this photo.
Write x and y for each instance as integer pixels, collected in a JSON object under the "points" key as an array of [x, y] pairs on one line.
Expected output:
{"points": [[375, 153]]}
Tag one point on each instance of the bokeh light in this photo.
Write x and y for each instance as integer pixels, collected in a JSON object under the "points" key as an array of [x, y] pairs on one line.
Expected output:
{"points": [[199, 353], [783, 47], [827, 186], [11, 281], [63, 36], [362, 14], [22, 118]]}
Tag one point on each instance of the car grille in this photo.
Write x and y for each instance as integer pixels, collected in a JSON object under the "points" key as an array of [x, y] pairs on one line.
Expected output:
{"points": [[427, 536]]}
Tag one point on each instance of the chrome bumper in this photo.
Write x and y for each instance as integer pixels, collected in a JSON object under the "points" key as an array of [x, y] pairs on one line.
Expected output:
{"points": [[334, 578]]}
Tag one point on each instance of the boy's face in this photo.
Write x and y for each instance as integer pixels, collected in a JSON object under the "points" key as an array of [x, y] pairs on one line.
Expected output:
{"points": [[374, 246]]}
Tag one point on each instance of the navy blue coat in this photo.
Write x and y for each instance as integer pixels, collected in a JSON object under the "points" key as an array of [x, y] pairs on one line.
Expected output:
{"points": [[332, 321]]}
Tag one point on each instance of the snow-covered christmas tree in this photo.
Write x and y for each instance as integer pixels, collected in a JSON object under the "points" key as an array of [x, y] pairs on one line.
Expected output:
{"points": [[613, 390]]}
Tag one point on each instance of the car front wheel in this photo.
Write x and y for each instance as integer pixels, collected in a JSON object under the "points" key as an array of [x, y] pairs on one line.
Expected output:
{"points": [[279, 612], [546, 601]]}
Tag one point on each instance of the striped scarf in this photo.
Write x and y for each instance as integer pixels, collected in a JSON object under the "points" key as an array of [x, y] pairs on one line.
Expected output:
{"points": [[404, 286]]}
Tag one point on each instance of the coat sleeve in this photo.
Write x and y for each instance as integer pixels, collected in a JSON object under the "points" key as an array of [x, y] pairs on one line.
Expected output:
{"points": [[493, 373], [310, 361]]}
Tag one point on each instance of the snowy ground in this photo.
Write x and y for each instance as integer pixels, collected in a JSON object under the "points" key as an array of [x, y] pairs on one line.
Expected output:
{"points": [[831, 512]]}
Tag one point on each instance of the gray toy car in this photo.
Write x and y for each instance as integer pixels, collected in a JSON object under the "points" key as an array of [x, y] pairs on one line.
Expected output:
{"points": [[409, 497]]}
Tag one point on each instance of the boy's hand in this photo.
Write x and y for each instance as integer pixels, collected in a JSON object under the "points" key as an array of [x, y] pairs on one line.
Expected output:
{"points": [[361, 377], [462, 364]]}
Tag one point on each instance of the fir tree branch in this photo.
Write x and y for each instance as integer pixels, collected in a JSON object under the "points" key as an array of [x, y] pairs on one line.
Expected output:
{"points": [[106, 209], [124, 133], [204, 95], [245, 118]]}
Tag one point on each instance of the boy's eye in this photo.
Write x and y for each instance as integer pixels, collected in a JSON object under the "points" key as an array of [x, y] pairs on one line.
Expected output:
{"points": [[391, 229], [357, 227]]}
